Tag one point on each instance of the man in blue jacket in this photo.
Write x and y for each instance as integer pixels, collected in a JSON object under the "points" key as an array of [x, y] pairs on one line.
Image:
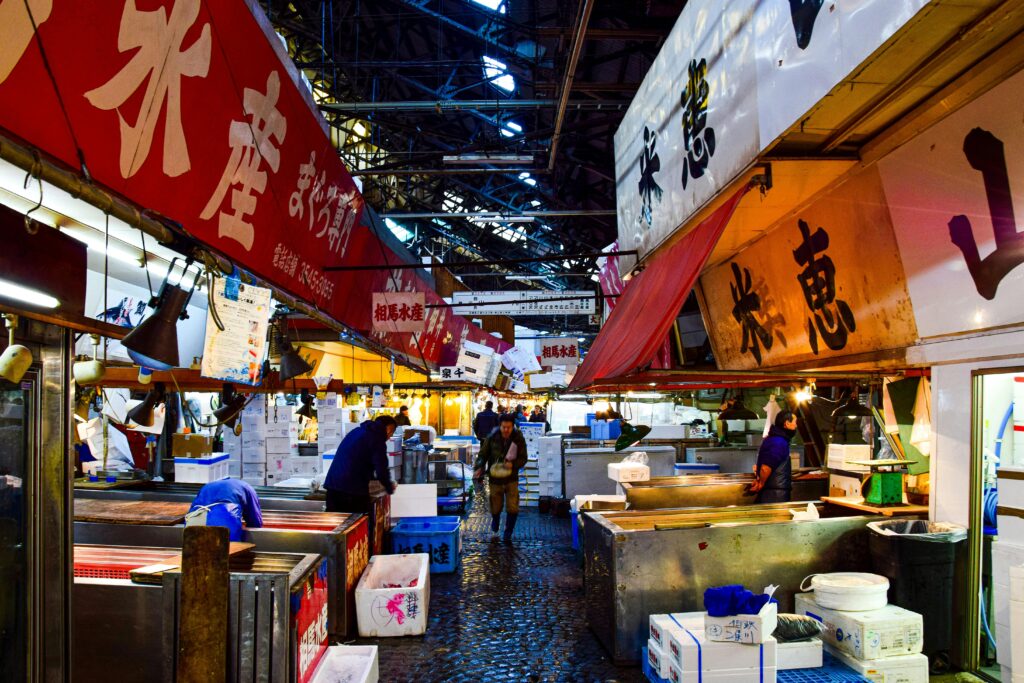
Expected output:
{"points": [[229, 503], [773, 473], [361, 455]]}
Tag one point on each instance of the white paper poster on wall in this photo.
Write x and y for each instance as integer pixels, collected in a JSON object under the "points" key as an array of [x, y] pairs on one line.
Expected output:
{"points": [[692, 127], [956, 196], [805, 47], [235, 354]]}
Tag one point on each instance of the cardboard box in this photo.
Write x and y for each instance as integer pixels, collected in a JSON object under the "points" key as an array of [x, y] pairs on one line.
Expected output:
{"points": [[888, 632], [743, 628], [902, 669], [804, 654], [628, 471], [191, 445]]}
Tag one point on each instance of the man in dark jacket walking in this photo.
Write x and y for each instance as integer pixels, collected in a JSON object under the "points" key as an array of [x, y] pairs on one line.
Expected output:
{"points": [[486, 421], [502, 455], [773, 473], [361, 454]]}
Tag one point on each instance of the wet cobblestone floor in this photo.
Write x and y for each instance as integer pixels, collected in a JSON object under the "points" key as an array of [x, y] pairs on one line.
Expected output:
{"points": [[507, 614]]}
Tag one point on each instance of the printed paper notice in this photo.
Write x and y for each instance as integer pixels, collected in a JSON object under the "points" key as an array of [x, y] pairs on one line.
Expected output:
{"points": [[235, 354]]}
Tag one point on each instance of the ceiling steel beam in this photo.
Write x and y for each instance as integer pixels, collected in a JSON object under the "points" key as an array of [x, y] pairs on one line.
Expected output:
{"points": [[496, 104], [570, 73], [552, 213]]}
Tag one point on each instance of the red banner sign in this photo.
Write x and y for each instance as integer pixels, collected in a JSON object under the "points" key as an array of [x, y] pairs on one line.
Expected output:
{"points": [[310, 619], [194, 110]]}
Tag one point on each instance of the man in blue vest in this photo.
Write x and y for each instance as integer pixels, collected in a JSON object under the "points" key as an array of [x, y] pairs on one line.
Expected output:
{"points": [[362, 454], [229, 503], [773, 473]]}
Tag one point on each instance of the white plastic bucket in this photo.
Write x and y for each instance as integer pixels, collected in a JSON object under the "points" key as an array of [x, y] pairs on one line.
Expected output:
{"points": [[849, 591]]}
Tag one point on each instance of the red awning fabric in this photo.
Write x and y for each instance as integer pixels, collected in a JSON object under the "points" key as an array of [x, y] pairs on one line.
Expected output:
{"points": [[643, 315]]}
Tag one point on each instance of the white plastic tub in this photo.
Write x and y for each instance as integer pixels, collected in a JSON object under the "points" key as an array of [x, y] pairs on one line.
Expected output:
{"points": [[348, 664], [393, 596], [849, 591]]}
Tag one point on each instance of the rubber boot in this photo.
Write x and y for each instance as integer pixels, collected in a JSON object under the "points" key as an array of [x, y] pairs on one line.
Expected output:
{"points": [[510, 525], [495, 523]]}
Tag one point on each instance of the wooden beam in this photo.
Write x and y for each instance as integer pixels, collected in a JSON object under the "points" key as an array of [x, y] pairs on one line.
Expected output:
{"points": [[192, 380], [78, 323], [203, 624]]}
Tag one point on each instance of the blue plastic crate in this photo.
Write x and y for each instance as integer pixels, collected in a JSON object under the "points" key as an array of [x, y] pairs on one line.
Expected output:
{"points": [[576, 530], [442, 540], [833, 671]]}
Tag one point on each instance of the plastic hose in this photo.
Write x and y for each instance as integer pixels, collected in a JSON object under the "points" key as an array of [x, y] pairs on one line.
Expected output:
{"points": [[984, 621], [1002, 428]]}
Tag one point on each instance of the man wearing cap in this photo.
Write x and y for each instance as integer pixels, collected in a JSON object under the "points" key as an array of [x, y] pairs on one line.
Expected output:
{"points": [[502, 455]]}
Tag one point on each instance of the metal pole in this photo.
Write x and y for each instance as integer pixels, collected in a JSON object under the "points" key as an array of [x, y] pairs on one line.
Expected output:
{"points": [[570, 73], [498, 216], [503, 262]]}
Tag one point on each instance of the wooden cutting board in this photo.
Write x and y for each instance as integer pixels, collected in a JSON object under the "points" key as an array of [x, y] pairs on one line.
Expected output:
{"points": [[130, 511], [153, 573]]}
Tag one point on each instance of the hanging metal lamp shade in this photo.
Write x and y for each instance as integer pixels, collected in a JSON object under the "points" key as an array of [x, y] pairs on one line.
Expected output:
{"points": [[738, 411], [631, 435], [231, 407], [852, 409], [154, 343], [142, 414], [306, 410], [292, 364]]}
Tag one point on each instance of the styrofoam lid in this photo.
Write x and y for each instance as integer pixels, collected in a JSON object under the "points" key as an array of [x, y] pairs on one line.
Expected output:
{"points": [[850, 582]]}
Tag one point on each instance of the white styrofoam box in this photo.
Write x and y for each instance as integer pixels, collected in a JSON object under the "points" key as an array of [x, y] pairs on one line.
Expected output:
{"points": [[886, 632], [282, 430], [765, 675], [275, 478], [255, 481], [328, 431], [550, 445], [577, 501], [285, 446], [325, 461], [1011, 525], [628, 471], [844, 485], [394, 444], [254, 425], [414, 500], [902, 669], [277, 463], [550, 489], [234, 469], [840, 456], [303, 466], [383, 612], [253, 442], [1004, 646], [667, 432], [1017, 635], [657, 658], [255, 471], [803, 654], [743, 628], [659, 625], [1017, 583], [201, 470], [348, 664], [691, 651]]}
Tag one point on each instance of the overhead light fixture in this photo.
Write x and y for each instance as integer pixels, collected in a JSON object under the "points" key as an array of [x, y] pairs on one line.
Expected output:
{"points": [[306, 410], [142, 414], [16, 359], [359, 129], [90, 371], [26, 295], [853, 408], [231, 405], [738, 411], [804, 395], [292, 364], [494, 159], [154, 342], [631, 435]]}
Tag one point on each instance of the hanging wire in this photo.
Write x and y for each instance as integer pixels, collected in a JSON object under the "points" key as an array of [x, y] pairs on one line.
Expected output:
{"points": [[145, 264], [36, 171]]}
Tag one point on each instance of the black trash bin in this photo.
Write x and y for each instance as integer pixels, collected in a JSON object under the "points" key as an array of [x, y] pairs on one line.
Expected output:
{"points": [[918, 558]]}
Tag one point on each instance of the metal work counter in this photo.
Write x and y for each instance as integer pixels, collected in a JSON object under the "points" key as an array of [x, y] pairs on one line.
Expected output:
{"points": [[275, 601], [728, 459], [283, 498], [714, 490], [342, 539], [661, 561], [586, 469]]}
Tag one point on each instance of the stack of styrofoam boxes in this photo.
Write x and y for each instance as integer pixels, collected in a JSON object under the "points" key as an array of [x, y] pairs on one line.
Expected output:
{"points": [[549, 462], [679, 649], [232, 445], [330, 414], [282, 431], [845, 478], [529, 476], [479, 363], [881, 644], [1008, 554], [1016, 626], [254, 441]]}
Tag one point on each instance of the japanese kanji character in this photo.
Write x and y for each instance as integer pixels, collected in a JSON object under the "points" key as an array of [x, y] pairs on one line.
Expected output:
{"points": [[392, 311], [380, 312], [698, 138], [403, 312], [446, 373], [160, 61], [818, 280], [18, 30], [441, 554], [650, 164], [316, 195], [985, 153], [306, 173], [746, 304], [345, 214], [251, 143], [416, 313]]}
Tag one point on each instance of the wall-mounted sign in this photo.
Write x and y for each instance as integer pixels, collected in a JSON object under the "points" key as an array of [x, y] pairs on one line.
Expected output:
{"points": [[524, 302], [561, 351], [399, 311], [956, 194], [826, 282], [731, 78], [235, 354]]}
